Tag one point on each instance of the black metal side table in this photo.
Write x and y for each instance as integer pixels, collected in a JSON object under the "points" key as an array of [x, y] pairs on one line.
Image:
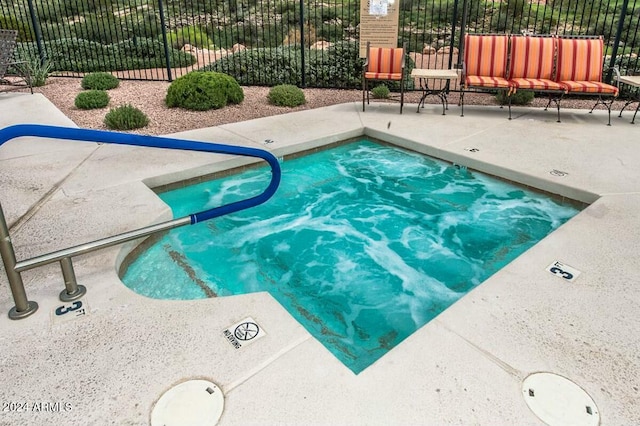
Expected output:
{"points": [[424, 75]]}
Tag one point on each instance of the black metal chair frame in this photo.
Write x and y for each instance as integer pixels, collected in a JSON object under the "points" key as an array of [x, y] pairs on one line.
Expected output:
{"points": [[7, 48]]}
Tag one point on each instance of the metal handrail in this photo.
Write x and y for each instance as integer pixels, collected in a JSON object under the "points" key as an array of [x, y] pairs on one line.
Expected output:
{"points": [[23, 307]]}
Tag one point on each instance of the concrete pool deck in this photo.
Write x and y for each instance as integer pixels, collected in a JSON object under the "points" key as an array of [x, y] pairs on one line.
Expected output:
{"points": [[109, 366]]}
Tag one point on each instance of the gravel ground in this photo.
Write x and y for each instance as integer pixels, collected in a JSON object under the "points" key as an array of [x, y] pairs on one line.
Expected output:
{"points": [[149, 97]]}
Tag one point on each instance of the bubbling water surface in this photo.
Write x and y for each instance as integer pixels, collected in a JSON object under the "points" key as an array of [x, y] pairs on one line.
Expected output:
{"points": [[363, 244]]}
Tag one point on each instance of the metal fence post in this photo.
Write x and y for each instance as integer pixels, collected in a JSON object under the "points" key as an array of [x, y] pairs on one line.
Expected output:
{"points": [[463, 29], [302, 61], [616, 42], [164, 40], [23, 307], [454, 18], [36, 28]]}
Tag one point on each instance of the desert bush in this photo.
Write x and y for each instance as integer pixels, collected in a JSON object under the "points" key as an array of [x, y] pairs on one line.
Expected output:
{"points": [[99, 81], [286, 95], [73, 54], [264, 66], [104, 28], [34, 69], [148, 25], [192, 35], [92, 99], [56, 10], [125, 117], [521, 97], [338, 66], [12, 23], [294, 36], [204, 90], [380, 92]]}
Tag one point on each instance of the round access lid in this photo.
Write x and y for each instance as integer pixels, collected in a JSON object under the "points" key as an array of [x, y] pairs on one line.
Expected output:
{"points": [[191, 403], [557, 400]]}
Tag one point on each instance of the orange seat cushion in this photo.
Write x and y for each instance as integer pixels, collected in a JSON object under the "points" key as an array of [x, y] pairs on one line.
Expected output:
{"points": [[485, 55], [537, 84], [385, 63], [382, 76], [595, 87], [487, 82], [532, 57]]}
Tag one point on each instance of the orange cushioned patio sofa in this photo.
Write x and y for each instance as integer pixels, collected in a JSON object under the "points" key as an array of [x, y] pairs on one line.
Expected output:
{"points": [[553, 65]]}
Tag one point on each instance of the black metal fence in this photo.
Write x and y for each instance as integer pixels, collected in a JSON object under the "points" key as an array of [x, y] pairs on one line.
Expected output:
{"points": [[310, 43]]}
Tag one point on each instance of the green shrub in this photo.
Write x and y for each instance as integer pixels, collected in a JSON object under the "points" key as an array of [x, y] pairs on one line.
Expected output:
{"points": [[201, 91], [338, 66], [100, 81], [341, 64], [77, 55], [521, 97], [12, 23], [286, 95], [261, 66], [380, 92], [147, 25], [35, 70], [92, 99], [51, 10], [125, 117], [104, 28], [192, 35]]}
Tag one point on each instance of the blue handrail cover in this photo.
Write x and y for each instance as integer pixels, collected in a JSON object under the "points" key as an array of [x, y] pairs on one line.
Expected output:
{"points": [[104, 136]]}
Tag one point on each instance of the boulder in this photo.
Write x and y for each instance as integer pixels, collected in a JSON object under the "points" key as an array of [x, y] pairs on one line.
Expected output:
{"points": [[321, 45], [447, 49], [220, 53], [188, 48], [428, 49], [238, 48]]}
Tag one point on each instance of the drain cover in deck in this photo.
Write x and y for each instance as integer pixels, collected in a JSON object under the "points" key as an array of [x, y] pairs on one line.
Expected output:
{"points": [[191, 403], [556, 400]]}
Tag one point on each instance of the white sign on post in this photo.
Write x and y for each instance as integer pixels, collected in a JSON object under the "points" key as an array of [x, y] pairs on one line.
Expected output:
{"points": [[378, 24]]}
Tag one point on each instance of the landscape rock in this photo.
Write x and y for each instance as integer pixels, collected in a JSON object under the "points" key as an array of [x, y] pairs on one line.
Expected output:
{"points": [[238, 48], [321, 45], [428, 49]]}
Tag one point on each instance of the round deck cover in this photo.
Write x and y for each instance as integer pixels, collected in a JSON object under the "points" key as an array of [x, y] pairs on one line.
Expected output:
{"points": [[191, 403], [557, 400]]}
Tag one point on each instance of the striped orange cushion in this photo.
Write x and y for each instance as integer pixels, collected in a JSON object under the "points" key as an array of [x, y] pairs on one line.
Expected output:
{"points": [[487, 82], [485, 55], [385, 60], [382, 76], [532, 57], [591, 87], [537, 84], [580, 59]]}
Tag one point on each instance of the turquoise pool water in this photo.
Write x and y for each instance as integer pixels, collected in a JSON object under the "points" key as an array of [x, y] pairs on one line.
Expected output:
{"points": [[363, 244]]}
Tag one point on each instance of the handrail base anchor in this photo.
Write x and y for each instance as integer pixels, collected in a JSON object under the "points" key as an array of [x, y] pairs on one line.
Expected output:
{"points": [[70, 297], [14, 314]]}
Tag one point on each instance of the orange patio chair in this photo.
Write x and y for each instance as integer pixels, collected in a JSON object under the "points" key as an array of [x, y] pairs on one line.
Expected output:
{"points": [[531, 67], [383, 64], [485, 63], [580, 67]]}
